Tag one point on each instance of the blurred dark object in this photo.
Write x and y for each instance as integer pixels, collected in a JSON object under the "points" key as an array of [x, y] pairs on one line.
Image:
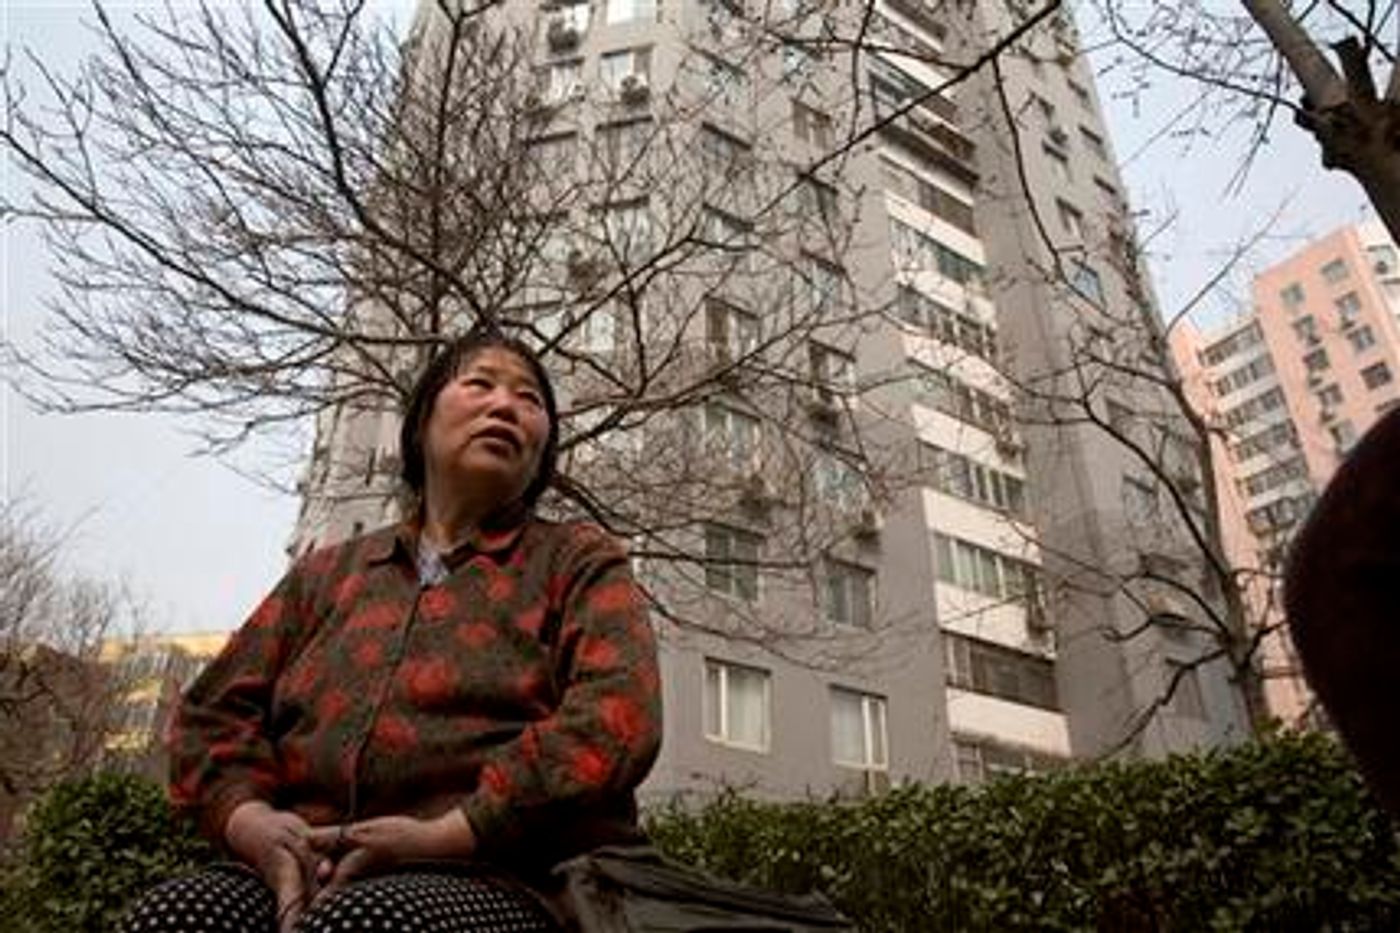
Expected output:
{"points": [[1342, 595]]}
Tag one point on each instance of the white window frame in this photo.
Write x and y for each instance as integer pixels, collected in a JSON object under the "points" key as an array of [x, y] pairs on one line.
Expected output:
{"points": [[616, 65], [722, 734], [875, 740], [733, 588], [618, 12], [735, 435], [856, 585]]}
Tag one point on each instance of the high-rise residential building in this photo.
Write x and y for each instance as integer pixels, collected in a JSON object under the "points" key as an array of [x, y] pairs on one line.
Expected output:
{"points": [[892, 371], [1294, 383]]}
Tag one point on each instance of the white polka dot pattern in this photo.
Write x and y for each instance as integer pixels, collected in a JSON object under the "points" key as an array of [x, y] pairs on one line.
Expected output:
{"points": [[228, 899]]}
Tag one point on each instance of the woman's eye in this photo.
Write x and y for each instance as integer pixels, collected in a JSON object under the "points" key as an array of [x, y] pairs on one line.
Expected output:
{"points": [[477, 382], [531, 396]]}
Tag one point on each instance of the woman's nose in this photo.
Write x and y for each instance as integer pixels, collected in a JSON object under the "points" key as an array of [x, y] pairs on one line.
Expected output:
{"points": [[504, 403]]}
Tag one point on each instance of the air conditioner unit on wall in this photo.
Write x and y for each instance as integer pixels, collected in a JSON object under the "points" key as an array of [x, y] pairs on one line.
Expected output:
{"points": [[562, 33], [633, 88], [866, 523]]}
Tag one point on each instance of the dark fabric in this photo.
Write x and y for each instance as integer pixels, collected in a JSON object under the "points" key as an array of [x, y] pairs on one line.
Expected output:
{"points": [[524, 690], [1342, 596], [637, 890], [231, 899]]}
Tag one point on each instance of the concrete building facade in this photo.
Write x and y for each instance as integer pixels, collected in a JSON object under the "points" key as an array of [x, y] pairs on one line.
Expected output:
{"points": [[1294, 383], [969, 619]]}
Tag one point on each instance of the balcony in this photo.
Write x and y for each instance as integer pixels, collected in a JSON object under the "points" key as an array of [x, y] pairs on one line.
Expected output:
{"points": [[923, 132]]}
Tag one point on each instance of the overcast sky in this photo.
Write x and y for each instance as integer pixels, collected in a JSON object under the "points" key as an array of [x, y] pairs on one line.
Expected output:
{"points": [[200, 543]]}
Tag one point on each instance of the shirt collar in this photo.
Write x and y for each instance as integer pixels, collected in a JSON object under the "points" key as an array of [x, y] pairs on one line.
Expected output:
{"points": [[495, 536]]}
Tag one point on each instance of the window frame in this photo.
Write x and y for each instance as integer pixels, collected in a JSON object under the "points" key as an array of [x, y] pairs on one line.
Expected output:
{"points": [[723, 733]]}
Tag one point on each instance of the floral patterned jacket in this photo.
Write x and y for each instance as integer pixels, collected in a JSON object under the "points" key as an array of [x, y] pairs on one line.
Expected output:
{"points": [[524, 689]]}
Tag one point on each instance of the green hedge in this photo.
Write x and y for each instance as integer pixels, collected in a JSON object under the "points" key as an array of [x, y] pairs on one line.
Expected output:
{"points": [[88, 846], [1278, 835]]}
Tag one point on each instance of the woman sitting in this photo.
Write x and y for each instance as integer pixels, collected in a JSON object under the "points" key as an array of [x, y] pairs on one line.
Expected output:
{"points": [[418, 723]]}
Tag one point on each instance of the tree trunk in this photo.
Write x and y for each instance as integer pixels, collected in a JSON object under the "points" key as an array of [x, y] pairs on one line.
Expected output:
{"points": [[1358, 130], [1362, 138]]}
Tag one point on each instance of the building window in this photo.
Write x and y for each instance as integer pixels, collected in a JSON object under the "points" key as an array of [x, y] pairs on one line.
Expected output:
{"points": [[847, 595], [728, 84], [738, 701], [1282, 434], [631, 11], [731, 332], [931, 197], [961, 476], [1343, 435], [1245, 375], [731, 562], [816, 199], [599, 332], [1330, 395], [1252, 408], [811, 125], [628, 229], [732, 436], [1086, 284], [1186, 698], [1081, 94], [980, 760], [833, 372], [728, 157], [1335, 271], [914, 249], [1241, 340], [1382, 258], [858, 734], [563, 80], [1316, 361], [622, 144], [1292, 297], [957, 399], [728, 236], [819, 285], [1059, 165], [1348, 307], [1071, 220], [1376, 375], [614, 66], [955, 328], [1094, 143], [1306, 329], [998, 671], [1272, 477], [981, 570], [1361, 338], [838, 483], [799, 62]]}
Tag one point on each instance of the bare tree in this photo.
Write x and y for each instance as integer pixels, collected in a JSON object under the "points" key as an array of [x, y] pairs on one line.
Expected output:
{"points": [[57, 701], [268, 214], [1259, 58]]}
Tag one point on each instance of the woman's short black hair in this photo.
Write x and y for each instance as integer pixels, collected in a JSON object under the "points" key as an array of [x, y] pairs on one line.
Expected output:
{"points": [[441, 369]]}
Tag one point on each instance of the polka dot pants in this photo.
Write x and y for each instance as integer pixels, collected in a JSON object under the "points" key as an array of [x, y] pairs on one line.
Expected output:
{"points": [[230, 899]]}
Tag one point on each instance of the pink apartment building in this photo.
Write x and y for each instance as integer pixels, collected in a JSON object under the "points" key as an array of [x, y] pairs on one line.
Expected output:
{"points": [[1293, 384]]}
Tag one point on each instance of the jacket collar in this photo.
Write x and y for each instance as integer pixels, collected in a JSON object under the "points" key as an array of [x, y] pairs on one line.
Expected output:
{"points": [[495, 536]]}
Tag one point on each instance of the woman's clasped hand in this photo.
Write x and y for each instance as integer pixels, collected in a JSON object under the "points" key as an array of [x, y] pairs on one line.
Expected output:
{"points": [[306, 865]]}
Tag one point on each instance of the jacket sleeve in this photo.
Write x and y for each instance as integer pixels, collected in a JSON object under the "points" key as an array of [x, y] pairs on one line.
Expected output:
{"points": [[603, 737], [220, 752]]}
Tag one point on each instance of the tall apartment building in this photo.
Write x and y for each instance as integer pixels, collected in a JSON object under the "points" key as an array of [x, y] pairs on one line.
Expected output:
{"points": [[978, 613], [1295, 382]]}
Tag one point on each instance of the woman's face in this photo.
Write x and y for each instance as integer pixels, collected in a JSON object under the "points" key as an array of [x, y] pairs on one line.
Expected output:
{"points": [[488, 427]]}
